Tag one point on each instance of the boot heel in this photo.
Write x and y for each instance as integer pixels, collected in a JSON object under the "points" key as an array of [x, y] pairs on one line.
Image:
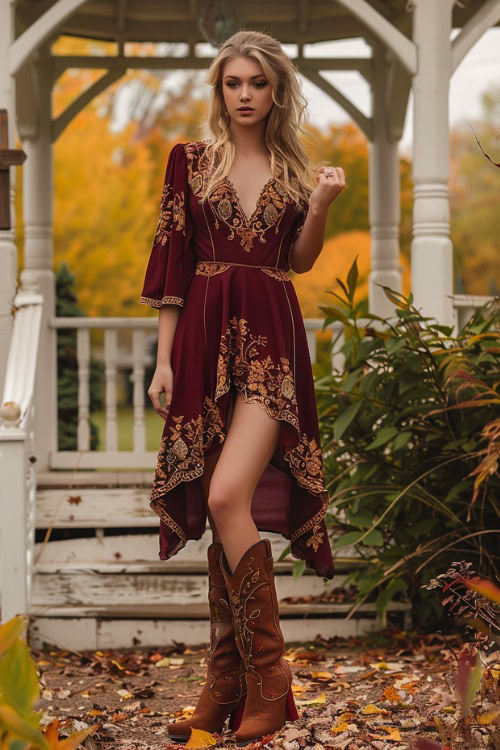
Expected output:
{"points": [[291, 713], [236, 714]]}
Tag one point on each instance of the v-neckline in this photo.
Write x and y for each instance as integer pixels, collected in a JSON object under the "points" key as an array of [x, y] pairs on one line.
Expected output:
{"points": [[248, 219]]}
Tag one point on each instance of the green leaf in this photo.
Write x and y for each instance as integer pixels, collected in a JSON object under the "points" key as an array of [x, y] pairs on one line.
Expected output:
{"points": [[346, 540], [422, 527], [345, 418], [21, 729], [9, 631], [298, 568], [401, 440], [363, 518], [383, 436], [387, 593], [352, 278], [374, 538], [335, 313], [18, 678]]}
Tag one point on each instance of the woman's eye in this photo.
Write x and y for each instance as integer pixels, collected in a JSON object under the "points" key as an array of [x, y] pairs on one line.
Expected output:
{"points": [[259, 84]]}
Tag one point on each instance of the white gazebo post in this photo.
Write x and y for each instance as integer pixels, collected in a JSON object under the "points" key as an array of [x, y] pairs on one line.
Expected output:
{"points": [[384, 190], [35, 128], [8, 250], [431, 247]]}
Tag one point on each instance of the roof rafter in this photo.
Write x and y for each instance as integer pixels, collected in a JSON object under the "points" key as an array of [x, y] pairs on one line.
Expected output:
{"points": [[487, 16], [402, 47]]}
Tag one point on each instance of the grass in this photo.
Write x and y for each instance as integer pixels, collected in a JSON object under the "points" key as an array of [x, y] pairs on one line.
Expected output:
{"points": [[125, 422]]}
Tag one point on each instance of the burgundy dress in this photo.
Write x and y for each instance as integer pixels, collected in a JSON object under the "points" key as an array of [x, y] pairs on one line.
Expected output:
{"points": [[240, 329]]}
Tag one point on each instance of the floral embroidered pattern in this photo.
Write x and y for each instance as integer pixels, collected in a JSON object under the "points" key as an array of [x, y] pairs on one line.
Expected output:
{"points": [[264, 380], [210, 268], [172, 214], [277, 273], [316, 538], [226, 206], [270, 207], [181, 454]]}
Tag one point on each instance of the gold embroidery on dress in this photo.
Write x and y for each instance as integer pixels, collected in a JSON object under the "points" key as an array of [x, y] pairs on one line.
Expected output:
{"points": [[277, 273], [226, 206], [163, 301], [210, 269], [264, 380], [316, 538], [172, 214]]}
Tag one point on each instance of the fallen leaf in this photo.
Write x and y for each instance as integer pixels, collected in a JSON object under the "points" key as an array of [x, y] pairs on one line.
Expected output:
{"points": [[393, 734], [489, 717], [199, 738], [392, 695], [340, 727], [372, 709], [314, 701], [163, 662]]}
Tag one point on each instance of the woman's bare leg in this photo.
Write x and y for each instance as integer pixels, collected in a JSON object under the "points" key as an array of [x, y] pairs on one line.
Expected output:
{"points": [[205, 479], [249, 445]]}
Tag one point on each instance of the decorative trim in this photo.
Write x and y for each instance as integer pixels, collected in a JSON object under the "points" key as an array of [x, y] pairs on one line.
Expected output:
{"points": [[162, 301], [277, 273]]}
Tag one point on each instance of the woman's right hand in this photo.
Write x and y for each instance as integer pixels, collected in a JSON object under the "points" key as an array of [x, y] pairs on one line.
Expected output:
{"points": [[162, 382]]}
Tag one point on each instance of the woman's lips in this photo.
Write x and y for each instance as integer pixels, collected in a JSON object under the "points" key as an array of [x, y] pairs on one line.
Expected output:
{"points": [[245, 109]]}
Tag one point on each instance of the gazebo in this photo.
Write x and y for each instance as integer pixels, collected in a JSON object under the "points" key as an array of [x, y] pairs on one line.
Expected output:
{"points": [[72, 587]]}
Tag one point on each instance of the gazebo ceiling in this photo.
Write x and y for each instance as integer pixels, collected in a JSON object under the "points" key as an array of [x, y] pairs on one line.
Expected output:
{"points": [[305, 21]]}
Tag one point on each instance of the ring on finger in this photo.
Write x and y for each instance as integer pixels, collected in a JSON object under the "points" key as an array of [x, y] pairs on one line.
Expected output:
{"points": [[328, 171]]}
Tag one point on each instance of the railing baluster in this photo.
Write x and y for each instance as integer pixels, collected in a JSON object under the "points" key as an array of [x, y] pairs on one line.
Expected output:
{"points": [[138, 352], [83, 357], [110, 352]]}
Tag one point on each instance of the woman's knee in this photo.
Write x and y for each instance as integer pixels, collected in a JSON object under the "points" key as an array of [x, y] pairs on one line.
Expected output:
{"points": [[225, 499]]}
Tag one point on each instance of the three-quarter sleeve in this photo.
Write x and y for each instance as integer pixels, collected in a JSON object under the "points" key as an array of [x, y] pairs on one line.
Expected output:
{"points": [[171, 263], [297, 228]]}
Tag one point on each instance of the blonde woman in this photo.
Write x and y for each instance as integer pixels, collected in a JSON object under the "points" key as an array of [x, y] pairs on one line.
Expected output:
{"points": [[240, 442]]}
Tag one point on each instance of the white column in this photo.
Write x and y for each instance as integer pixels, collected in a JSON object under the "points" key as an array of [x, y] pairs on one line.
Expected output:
{"points": [[431, 248], [384, 194], [38, 274], [8, 251]]}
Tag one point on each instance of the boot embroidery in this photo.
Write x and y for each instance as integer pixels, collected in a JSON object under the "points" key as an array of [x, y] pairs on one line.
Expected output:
{"points": [[243, 633]]}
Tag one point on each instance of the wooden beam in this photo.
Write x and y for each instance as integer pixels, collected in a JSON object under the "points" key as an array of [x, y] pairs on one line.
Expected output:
{"points": [[43, 28], [363, 122], [76, 106], [402, 47], [318, 29], [192, 62], [487, 16]]}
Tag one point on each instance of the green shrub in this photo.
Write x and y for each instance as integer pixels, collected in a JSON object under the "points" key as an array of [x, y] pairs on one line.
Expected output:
{"points": [[410, 430]]}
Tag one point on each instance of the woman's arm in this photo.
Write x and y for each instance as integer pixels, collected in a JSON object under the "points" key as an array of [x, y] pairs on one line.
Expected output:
{"points": [[163, 378], [168, 316], [309, 243]]}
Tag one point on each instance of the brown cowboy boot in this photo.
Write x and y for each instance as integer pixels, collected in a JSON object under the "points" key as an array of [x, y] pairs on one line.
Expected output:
{"points": [[225, 684], [252, 594]]}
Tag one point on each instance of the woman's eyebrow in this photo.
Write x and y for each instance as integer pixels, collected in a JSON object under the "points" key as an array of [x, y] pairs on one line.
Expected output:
{"points": [[257, 76]]}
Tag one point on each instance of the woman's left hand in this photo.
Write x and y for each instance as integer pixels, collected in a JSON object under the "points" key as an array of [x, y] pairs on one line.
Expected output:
{"points": [[329, 186]]}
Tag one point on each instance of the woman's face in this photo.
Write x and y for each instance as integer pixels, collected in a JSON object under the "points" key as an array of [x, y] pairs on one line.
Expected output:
{"points": [[245, 85]]}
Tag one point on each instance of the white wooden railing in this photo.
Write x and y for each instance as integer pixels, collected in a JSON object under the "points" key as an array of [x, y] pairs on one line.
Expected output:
{"points": [[18, 478], [139, 457]]}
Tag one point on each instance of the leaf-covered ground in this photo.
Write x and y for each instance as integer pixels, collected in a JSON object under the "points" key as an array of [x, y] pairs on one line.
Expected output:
{"points": [[381, 692]]}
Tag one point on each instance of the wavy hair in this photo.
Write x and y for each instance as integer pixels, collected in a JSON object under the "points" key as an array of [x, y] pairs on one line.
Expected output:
{"points": [[285, 120]]}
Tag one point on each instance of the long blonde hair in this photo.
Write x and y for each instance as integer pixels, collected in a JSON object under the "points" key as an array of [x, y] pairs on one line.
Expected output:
{"points": [[289, 162]]}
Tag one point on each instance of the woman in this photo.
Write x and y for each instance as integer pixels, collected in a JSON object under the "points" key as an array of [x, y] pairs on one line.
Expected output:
{"points": [[241, 440]]}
